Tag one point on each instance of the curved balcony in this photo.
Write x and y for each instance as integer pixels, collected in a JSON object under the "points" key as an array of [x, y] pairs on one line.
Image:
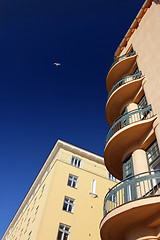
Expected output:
{"points": [[121, 94], [139, 186], [126, 135], [119, 68], [130, 202]]}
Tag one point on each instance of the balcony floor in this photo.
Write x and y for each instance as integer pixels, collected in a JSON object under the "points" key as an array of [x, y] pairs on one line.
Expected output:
{"points": [[116, 224], [123, 143], [120, 98], [119, 70]]}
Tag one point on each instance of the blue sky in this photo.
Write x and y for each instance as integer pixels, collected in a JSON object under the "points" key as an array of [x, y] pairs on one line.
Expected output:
{"points": [[40, 102]]}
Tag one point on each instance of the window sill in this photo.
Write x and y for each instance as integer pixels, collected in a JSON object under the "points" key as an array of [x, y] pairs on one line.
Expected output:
{"points": [[93, 195]]}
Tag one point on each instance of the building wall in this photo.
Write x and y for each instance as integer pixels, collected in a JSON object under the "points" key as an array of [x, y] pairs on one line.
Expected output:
{"points": [[145, 41], [48, 196]]}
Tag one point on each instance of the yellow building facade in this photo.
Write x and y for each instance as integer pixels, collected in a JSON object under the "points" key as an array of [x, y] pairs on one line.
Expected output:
{"points": [[65, 201], [132, 207]]}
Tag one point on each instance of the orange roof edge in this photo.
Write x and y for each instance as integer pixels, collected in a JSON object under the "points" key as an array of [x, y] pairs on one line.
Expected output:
{"points": [[134, 25]]}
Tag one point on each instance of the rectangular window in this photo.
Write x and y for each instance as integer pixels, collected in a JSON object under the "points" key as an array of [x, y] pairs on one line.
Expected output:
{"points": [[93, 190], [27, 214], [68, 204], [42, 191], [112, 178], [142, 102], [27, 224], [63, 232], [153, 156], [76, 162], [20, 234], [36, 212], [29, 236], [34, 203], [72, 181]]}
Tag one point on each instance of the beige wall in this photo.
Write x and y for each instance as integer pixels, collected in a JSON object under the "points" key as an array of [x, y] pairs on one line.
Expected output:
{"points": [[145, 41]]}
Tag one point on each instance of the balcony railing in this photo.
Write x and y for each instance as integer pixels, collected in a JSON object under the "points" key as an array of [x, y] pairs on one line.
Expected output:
{"points": [[139, 186], [128, 118], [125, 80], [123, 56]]}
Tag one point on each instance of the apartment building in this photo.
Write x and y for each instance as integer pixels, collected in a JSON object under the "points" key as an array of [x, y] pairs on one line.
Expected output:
{"points": [[65, 200], [132, 207]]}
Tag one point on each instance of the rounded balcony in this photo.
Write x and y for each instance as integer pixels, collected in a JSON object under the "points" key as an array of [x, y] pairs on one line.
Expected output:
{"points": [[129, 203], [122, 93], [126, 135], [119, 68]]}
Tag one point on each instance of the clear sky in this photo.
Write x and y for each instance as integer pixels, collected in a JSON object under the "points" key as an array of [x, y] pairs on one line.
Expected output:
{"points": [[40, 102]]}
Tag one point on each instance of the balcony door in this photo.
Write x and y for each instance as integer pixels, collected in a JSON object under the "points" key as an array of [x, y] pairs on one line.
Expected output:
{"points": [[130, 188]]}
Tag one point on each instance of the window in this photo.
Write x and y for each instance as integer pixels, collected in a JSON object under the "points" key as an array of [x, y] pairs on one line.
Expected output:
{"points": [[68, 204], [72, 181], [20, 234], [63, 232], [27, 213], [153, 156], [76, 162], [128, 167], [29, 236], [36, 212], [93, 190], [21, 221], [42, 191], [27, 224], [34, 203], [142, 102], [112, 178]]}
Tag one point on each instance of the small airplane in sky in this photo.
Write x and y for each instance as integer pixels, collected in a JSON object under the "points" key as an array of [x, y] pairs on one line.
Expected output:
{"points": [[56, 64]]}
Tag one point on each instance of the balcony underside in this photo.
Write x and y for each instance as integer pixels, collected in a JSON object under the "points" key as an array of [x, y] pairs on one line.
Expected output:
{"points": [[120, 98], [116, 224], [119, 70], [123, 143]]}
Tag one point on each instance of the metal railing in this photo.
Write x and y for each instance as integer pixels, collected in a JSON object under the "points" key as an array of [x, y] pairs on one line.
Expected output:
{"points": [[123, 56], [128, 118], [125, 80], [137, 187]]}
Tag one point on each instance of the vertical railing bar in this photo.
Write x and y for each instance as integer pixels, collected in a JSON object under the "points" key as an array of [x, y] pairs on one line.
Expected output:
{"points": [[140, 188], [148, 184], [144, 188]]}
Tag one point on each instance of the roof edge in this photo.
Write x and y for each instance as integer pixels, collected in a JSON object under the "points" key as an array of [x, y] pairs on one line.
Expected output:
{"points": [[132, 28]]}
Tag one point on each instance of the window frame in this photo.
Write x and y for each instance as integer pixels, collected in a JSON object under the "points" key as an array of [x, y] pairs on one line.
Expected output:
{"points": [[73, 179], [63, 231], [142, 103], [68, 203], [76, 162], [156, 159]]}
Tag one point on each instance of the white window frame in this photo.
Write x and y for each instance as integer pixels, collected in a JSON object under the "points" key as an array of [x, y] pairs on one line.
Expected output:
{"points": [[29, 236], [111, 177], [42, 190], [36, 212], [34, 203], [62, 229], [27, 224], [69, 202], [73, 181], [76, 162]]}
